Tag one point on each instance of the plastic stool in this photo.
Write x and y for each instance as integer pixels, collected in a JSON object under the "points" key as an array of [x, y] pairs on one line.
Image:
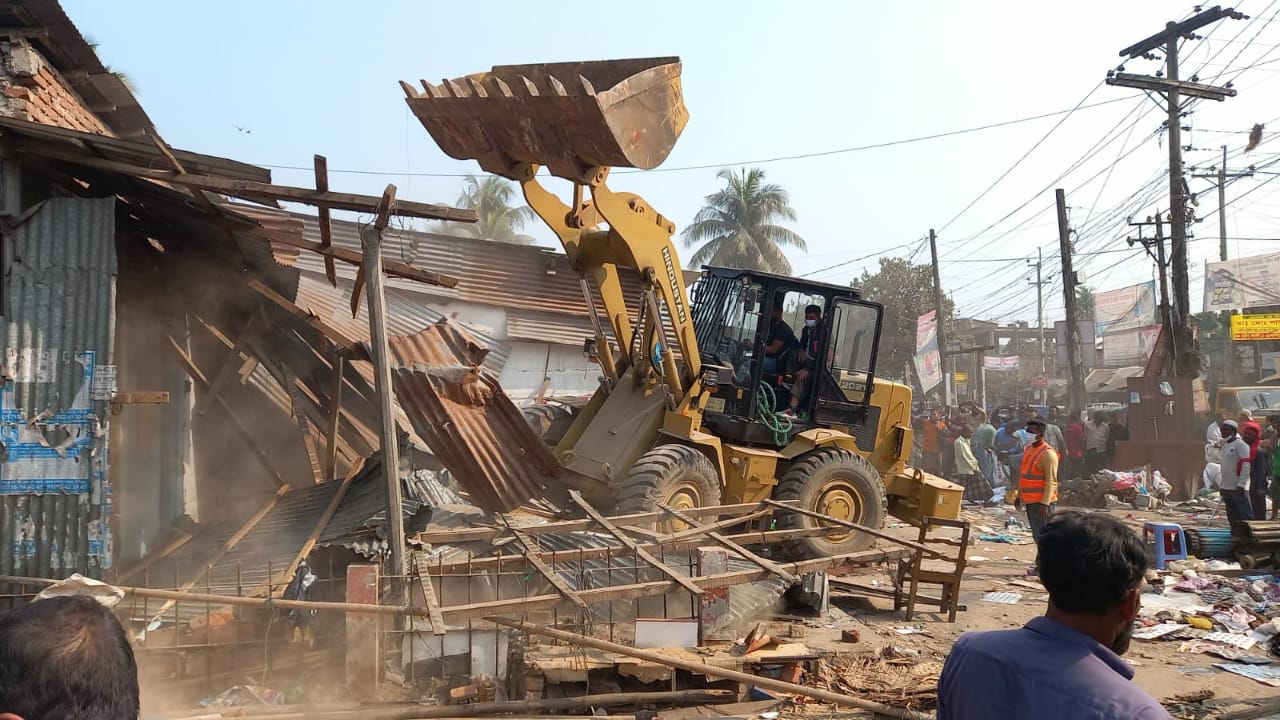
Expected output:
{"points": [[1165, 542]]}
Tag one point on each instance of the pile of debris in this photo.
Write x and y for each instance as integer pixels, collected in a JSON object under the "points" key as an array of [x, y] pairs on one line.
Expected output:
{"points": [[905, 682], [1105, 487], [1236, 619]]}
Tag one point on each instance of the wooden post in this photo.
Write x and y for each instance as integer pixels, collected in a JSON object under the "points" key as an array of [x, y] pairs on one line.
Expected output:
{"points": [[371, 244]]}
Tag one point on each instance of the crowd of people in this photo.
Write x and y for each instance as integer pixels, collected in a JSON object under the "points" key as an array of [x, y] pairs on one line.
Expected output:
{"points": [[1242, 461], [984, 454]]}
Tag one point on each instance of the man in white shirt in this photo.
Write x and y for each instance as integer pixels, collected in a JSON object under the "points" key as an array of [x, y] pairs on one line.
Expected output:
{"points": [[1213, 433], [1095, 443], [1235, 474]]}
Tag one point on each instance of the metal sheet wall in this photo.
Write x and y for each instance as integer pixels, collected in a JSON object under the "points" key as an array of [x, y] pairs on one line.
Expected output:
{"points": [[59, 270]]}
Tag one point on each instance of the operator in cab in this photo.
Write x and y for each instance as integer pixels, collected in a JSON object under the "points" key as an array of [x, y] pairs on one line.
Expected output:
{"points": [[780, 340], [806, 358]]}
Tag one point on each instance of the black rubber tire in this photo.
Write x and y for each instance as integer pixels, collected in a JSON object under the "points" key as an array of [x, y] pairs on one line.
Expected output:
{"points": [[809, 478], [550, 422], [665, 474]]}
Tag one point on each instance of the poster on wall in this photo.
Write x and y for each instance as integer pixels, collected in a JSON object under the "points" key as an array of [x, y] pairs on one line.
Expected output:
{"points": [[1129, 347], [928, 360], [1242, 283], [49, 453], [1128, 308]]}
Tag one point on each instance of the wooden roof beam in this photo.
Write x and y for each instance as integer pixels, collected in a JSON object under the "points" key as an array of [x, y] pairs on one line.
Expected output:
{"points": [[252, 190]]}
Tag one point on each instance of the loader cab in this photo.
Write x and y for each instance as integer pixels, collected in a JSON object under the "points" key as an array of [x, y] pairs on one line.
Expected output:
{"points": [[758, 355]]}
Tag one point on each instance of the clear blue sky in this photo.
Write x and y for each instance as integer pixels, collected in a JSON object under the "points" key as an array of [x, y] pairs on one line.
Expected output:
{"points": [[273, 83]]}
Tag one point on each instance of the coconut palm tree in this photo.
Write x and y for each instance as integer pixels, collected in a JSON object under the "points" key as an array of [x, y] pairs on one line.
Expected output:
{"points": [[739, 227], [491, 198]]}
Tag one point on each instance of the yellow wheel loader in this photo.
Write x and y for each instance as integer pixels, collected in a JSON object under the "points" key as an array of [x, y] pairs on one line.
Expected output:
{"points": [[691, 407]]}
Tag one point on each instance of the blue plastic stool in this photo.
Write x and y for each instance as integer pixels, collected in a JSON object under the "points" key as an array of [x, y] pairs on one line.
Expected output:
{"points": [[1165, 542]]}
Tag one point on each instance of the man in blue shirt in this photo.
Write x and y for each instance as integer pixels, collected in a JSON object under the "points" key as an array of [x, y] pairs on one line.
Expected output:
{"points": [[1067, 663]]}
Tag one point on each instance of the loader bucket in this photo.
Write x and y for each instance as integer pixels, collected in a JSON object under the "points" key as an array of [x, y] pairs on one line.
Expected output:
{"points": [[568, 117]]}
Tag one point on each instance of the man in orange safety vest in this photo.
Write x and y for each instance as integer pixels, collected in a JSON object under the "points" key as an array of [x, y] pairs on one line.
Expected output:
{"points": [[1038, 486]]}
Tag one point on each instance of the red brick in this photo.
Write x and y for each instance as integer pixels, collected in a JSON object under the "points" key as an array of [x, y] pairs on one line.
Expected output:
{"points": [[12, 91]]}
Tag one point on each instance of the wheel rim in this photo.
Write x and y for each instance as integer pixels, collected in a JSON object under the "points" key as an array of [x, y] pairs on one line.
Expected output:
{"points": [[842, 500], [683, 495]]}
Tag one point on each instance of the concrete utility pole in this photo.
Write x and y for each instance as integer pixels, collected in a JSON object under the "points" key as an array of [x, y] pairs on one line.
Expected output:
{"points": [[1040, 282], [937, 306], [1078, 399], [1173, 90], [371, 244]]}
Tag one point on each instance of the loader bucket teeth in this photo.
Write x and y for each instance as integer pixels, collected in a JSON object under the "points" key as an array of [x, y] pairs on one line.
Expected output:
{"points": [[567, 117]]}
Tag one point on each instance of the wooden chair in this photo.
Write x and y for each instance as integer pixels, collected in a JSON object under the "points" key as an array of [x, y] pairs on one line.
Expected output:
{"points": [[945, 572]]}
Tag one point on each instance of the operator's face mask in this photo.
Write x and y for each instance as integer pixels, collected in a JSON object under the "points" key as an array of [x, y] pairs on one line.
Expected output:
{"points": [[810, 323]]}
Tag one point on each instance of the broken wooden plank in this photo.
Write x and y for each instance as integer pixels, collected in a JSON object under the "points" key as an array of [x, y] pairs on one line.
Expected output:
{"points": [[733, 546], [188, 363], [430, 601], [296, 403], [335, 415], [718, 525], [231, 543], [153, 558], [535, 559], [141, 397], [202, 382], [326, 226], [176, 166], [229, 366], [249, 189], [631, 545], [855, 526], [623, 521], [332, 334], [281, 579]]}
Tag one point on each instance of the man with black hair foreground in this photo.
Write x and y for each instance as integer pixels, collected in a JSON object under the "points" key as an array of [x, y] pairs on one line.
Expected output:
{"points": [[1067, 663], [66, 658]]}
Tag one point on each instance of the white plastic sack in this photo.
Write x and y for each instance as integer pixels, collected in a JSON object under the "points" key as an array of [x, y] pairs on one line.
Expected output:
{"points": [[77, 584]]}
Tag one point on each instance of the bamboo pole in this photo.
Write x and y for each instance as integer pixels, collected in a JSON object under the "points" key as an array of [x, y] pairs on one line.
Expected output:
{"points": [[712, 671]]}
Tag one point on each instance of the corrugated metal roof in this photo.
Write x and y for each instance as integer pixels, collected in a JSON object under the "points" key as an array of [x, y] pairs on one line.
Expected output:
{"points": [[506, 275], [539, 327], [59, 322], [469, 423], [404, 317], [279, 535]]}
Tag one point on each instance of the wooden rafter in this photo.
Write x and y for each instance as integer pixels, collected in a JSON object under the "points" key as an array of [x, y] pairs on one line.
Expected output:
{"points": [[326, 227], [202, 381], [631, 545], [229, 367], [334, 417], [535, 559], [332, 334], [250, 189], [769, 565], [919, 547]]}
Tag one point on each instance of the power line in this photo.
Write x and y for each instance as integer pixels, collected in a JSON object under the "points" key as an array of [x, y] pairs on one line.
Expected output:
{"points": [[762, 161], [1020, 160]]}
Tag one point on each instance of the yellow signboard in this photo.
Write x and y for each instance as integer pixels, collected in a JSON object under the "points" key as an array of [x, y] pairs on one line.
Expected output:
{"points": [[1255, 327], [962, 377]]}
